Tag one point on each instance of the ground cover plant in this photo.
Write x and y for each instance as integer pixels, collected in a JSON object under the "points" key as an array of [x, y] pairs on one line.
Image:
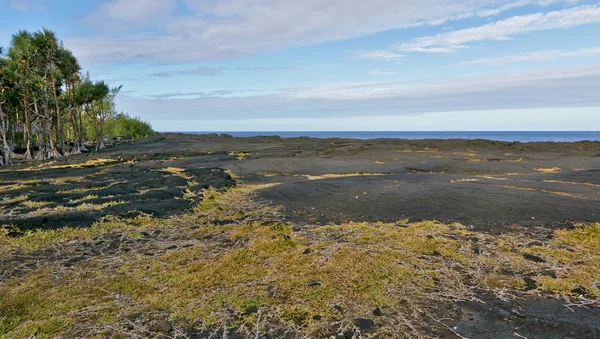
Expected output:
{"points": [[233, 265]]}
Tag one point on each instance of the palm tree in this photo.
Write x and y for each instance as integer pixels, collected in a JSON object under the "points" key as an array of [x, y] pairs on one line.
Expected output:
{"points": [[84, 99], [5, 158], [46, 48], [21, 52], [42, 91], [69, 68], [101, 92]]}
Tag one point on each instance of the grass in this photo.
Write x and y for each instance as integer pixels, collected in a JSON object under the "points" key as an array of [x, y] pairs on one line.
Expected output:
{"points": [[77, 190], [180, 172], [35, 204], [37, 240], [240, 155], [60, 209], [12, 187], [64, 180], [573, 183], [52, 165], [15, 199], [341, 175], [294, 276], [548, 169]]}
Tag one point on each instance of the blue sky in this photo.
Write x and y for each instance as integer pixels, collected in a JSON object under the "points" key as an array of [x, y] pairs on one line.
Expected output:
{"points": [[259, 65]]}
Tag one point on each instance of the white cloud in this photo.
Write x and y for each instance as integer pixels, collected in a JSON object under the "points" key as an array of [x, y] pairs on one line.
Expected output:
{"points": [[25, 5], [555, 77], [522, 3], [199, 71], [538, 56], [548, 88], [546, 119], [136, 11], [379, 73], [504, 29], [379, 55], [221, 29]]}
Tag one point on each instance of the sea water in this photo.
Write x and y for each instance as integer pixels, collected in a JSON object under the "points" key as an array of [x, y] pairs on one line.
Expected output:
{"points": [[556, 136]]}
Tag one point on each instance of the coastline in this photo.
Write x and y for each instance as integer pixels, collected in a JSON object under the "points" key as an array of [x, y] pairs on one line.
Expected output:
{"points": [[500, 136]]}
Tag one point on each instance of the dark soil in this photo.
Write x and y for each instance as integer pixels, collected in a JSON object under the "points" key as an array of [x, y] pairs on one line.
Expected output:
{"points": [[133, 186], [489, 185], [532, 318]]}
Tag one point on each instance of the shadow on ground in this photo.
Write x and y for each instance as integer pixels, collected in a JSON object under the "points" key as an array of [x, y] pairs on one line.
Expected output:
{"points": [[78, 192]]}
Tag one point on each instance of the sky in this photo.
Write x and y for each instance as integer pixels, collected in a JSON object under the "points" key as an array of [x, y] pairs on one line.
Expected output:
{"points": [[289, 65]]}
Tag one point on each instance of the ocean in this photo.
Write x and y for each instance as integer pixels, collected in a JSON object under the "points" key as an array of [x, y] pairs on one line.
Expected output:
{"points": [[555, 136]]}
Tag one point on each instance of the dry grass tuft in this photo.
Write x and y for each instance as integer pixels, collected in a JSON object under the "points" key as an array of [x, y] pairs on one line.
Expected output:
{"points": [[180, 172], [548, 170], [240, 155]]}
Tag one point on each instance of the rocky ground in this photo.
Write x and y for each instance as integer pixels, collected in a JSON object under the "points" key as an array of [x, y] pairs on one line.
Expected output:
{"points": [[321, 238]]}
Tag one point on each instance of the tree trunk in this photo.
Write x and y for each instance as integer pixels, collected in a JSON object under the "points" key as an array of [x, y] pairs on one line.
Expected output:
{"points": [[53, 152], [27, 132], [47, 122], [59, 129], [81, 136], [40, 133], [76, 149], [102, 118], [96, 126], [5, 159]]}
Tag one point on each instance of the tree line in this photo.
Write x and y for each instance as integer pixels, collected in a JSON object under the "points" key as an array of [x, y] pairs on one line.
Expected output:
{"points": [[49, 108]]}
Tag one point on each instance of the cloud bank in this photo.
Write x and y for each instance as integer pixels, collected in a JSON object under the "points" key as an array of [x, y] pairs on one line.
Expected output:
{"points": [[504, 29], [548, 88], [223, 29]]}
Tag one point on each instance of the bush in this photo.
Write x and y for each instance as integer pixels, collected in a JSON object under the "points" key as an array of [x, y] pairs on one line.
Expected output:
{"points": [[124, 125]]}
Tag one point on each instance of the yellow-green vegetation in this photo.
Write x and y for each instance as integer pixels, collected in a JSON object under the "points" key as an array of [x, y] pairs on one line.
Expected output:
{"points": [[64, 180], [15, 199], [240, 155], [60, 209], [32, 241], [180, 172], [547, 169], [252, 260], [84, 164], [573, 183], [11, 187], [35, 204], [90, 189], [344, 175]]}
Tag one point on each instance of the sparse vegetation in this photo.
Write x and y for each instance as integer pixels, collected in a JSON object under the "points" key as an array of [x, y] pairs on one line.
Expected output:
{"points": [[228, 257], [79, 256], [240, 155]]}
